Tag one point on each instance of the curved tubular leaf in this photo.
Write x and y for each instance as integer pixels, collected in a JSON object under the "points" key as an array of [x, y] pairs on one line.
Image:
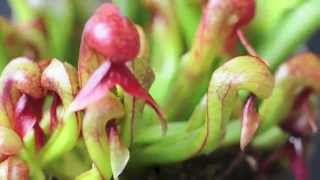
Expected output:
{"points": [[241, 73], [65, 85], [244, 72], [21, 75], [301, 71], [95, 120]]}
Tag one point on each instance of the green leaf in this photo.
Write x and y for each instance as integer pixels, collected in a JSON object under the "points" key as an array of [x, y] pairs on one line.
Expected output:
{"points": [[240, 73]]}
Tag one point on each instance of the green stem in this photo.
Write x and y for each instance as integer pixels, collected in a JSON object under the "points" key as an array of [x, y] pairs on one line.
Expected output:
{"points": [[59, 38], [22, 11], [154, 133], [268, 16], [233, 133], [289, 35], [3, 56], [267, 139], [62, 141], [33, 163], [164, 59], [189, 13], [270, 138]]}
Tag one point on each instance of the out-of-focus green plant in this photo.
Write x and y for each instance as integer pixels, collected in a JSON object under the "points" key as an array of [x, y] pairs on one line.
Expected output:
{"points": [[57, 120]]}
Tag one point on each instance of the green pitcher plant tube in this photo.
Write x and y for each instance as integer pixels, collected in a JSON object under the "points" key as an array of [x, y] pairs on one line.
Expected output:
{"points": [[226, 81]]}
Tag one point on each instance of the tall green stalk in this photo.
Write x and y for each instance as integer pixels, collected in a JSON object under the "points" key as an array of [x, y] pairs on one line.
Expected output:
{"points": [[288, 35]]}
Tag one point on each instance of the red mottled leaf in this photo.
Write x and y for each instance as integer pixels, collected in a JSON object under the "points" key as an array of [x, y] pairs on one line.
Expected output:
{"points": [[28, 114], [106, 77], [250, 122]]}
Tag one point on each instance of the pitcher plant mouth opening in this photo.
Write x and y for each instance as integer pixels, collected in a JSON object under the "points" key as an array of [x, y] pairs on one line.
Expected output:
{"points": [[221, 76]]}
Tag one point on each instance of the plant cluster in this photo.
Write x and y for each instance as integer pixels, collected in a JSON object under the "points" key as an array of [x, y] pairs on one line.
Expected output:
{"points": [[214, 73]]}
